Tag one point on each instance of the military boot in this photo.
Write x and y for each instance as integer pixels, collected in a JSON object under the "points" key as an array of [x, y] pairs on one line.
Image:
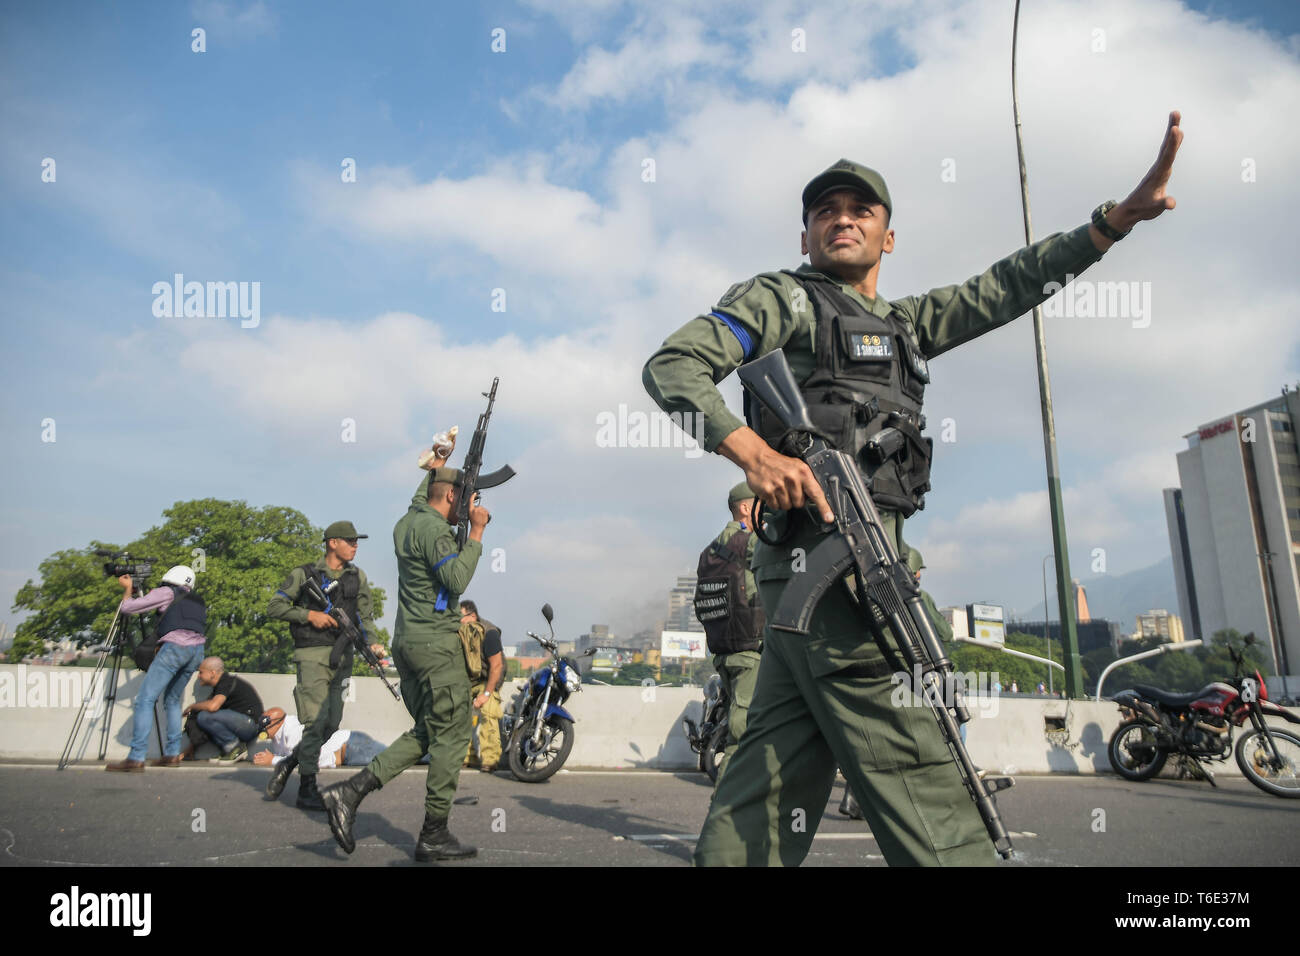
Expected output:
{"points": [[849, 807], [308, 796], [437, 843], [280, 776], [341, 802]]}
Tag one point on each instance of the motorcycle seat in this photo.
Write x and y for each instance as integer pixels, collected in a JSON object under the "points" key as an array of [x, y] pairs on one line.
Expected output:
{"points": [[1164, 697]]}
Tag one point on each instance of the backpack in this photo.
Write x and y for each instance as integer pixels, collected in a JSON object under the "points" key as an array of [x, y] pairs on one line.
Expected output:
{"points": [[732, 619], [471, 639]]}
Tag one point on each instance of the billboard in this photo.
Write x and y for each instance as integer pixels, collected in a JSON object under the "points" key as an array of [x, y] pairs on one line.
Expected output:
{"points": [[675, 645], [987, 622]]}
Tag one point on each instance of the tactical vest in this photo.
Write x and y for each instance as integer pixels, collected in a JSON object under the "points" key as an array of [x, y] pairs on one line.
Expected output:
{"points": [[870, 375], [186, 613], [733, 620], [344, 596]]}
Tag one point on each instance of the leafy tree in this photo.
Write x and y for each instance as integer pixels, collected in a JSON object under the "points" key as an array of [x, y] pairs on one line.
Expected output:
{"points": [[633, 674], [241, 555]]}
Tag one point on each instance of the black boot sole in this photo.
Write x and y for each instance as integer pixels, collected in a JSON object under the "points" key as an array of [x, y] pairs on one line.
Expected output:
{"points": [[436, 856]]}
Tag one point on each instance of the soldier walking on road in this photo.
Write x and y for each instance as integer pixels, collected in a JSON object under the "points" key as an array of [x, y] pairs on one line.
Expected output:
{"points": [[431, 576], [319, 692]]}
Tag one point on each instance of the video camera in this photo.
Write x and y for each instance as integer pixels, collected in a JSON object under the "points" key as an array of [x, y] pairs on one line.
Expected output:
{"points": [[122, 563]]}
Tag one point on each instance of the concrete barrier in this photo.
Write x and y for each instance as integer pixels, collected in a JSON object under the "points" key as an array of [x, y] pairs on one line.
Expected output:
{"points": [[616, 727]]}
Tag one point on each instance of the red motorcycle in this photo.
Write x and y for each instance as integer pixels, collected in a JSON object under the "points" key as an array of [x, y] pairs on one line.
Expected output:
{"points": [[1197, 728]]}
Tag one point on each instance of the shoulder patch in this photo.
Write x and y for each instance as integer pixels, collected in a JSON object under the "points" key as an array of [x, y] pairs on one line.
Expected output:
{"points": [[735, 292]]}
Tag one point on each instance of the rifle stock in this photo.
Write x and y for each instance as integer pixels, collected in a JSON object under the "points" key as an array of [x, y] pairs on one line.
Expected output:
{"points": [[884, 588]]}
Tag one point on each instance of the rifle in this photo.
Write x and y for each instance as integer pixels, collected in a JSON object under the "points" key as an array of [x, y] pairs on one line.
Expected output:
{"points": [[472, 480], [349, 633], [884, 587]]}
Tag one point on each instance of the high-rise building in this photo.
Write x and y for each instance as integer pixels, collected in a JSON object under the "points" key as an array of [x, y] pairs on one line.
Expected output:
{"points": [[1160, 623], [1234, 528], [681, 606]]}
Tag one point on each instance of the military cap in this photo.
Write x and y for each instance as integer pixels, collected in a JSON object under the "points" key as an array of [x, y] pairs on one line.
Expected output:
{"points": [[741, 492], [343, 529], [449, 476], [850, 174], [914, 561]]}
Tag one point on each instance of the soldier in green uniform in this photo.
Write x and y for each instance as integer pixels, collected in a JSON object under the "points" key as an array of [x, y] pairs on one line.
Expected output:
{"points": [[431, 576], [737, 644], [824, 699], [319, 692]]}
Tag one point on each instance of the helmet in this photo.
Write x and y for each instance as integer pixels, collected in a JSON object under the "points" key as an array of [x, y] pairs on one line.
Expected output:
{"points": [[181, 575]]}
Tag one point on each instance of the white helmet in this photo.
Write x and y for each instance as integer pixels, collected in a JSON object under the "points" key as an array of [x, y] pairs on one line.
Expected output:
{"points": [[180, 575]]}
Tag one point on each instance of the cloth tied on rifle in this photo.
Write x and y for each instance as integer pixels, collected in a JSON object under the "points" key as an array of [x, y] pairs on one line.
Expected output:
{"points": [[444, 443]]}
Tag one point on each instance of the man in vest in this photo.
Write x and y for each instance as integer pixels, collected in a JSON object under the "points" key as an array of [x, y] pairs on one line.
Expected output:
{"points": [[431, 576], [319, 693], [181, 636], [735, 642], [823, 699], [485, 662]]}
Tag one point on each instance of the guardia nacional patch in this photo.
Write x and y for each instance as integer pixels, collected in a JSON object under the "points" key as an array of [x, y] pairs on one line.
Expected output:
{"points": [[735, 292]]}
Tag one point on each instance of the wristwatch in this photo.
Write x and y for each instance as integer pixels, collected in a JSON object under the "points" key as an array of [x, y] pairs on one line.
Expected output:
{"points": [[1103, 227]]}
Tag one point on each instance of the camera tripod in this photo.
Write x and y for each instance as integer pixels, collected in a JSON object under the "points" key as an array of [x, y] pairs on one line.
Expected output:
{"points": [[114, 647]]}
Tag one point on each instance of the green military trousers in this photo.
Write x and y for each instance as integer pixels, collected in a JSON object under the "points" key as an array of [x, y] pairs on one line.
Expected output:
{"points": [[435, 689], [739, 673], [827, 699], [318, 696]]}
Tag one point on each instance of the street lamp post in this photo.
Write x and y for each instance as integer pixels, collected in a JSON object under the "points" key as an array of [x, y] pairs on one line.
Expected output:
{"points": [[1046, 619]]}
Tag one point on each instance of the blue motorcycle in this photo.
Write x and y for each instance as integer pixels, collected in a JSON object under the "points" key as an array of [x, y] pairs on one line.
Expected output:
{"points": [[538, 730]]}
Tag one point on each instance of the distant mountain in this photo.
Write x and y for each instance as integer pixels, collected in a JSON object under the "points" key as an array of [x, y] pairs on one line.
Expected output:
{"points": [[1122, 597]]}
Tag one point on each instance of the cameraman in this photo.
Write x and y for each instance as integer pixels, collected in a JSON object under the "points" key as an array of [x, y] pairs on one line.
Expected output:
{"points": [[181, 630]]}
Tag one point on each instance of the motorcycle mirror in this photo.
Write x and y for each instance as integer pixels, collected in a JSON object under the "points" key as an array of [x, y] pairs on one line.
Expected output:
{"points": [[548, 613]]}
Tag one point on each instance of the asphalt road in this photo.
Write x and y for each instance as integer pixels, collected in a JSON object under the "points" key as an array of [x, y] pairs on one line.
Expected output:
{"points": [[215, 815]]}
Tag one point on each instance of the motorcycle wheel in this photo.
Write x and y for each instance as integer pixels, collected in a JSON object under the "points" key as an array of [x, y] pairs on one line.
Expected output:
{"points": [[1254, 760], [711, 756], [1133, 751], [549, 760]]}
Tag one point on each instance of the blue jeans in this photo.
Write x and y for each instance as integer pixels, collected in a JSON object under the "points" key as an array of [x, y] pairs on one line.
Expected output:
{"points": [[167, 678], [226, 726]]}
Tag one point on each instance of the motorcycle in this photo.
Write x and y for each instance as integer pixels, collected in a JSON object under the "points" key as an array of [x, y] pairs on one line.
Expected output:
{"points": [[1197, 728], [709, 738], [538, 730]]}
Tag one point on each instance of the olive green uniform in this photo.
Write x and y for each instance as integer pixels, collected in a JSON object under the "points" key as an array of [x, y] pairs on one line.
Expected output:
{"points": [[739, 671], [318, 695], [487, 719], [431, 576], [824, 698]]}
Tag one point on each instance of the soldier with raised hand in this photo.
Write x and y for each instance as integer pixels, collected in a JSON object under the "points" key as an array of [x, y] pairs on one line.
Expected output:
{"points": [[431, 576], [318, 695], [861, 362]]}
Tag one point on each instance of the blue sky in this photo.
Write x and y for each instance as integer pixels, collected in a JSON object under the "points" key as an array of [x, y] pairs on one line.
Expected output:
{"points": [[521, 171]]}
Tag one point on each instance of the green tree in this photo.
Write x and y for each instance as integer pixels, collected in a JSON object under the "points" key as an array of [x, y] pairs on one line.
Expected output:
{"points": [[633, 674], [241, 554]]}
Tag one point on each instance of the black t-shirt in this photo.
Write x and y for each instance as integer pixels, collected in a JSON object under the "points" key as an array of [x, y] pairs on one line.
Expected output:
{"points": [[491, 639], [240, 696]]}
